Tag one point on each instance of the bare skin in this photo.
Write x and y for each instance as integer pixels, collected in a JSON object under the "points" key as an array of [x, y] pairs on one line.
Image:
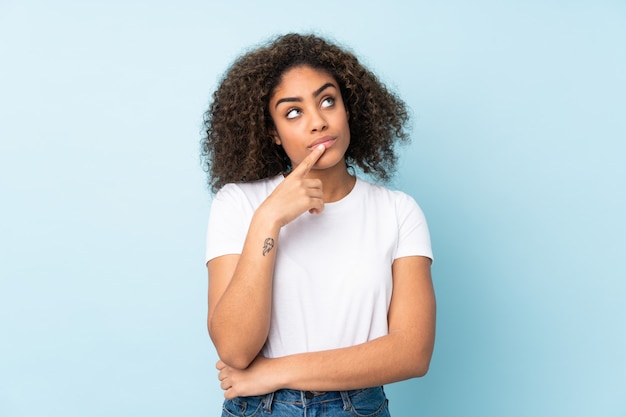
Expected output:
{"points": [[402, 354], [240, 286], [311, 124]]}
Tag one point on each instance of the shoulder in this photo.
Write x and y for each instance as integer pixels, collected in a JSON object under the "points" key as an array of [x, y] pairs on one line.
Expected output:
{"points": [[254, 191], [398, 212], [400, 207], [384, 195]]}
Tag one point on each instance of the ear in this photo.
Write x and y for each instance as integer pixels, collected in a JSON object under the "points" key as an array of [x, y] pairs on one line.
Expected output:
{"points": [[275, 136]]}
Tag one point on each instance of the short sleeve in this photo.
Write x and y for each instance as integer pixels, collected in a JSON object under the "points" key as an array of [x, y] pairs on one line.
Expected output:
{"points": [[413, 234], [228, 222]]}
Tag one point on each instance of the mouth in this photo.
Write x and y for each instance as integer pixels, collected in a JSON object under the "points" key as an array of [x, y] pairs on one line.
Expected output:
{"points": [[327, 141]]}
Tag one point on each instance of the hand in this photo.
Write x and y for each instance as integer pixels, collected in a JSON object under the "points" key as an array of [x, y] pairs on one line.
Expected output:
{"points": [[297, 194], [254, 380]]}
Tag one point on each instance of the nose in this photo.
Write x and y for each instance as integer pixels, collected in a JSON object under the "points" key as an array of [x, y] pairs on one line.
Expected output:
{"points": [[318, 122]]}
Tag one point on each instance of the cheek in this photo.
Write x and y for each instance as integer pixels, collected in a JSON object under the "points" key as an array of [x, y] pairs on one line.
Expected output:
{"points": [[289, 135], [291, 146]]}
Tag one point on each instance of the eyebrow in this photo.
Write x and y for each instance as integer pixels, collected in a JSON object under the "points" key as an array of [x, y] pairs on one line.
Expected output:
{"points": [[298, 99]]}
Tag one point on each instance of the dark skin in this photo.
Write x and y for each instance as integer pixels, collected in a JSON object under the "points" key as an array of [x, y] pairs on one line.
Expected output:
{"points": [[310, 123]]}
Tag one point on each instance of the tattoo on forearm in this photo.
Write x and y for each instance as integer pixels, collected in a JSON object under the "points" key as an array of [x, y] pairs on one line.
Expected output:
{"points": [[268, 245]]}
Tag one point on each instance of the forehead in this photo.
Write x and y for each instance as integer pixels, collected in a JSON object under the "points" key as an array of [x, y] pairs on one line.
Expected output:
{"points": [[302, 79]]}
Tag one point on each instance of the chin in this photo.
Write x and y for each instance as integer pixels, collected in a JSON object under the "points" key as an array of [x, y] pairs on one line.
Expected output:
{"points": [[327, 163]]}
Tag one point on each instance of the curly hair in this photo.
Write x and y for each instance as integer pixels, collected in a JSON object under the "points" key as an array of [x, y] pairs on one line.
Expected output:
{"points": [[237, 145]]}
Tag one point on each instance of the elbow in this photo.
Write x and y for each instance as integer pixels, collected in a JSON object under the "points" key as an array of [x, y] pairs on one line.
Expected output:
{"points": [[234, 359], [419, 364], [236, 348], [421, 369], [231, 355]]}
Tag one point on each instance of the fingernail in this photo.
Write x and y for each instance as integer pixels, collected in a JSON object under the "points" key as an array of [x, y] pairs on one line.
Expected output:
{"points": [[321, 146]]}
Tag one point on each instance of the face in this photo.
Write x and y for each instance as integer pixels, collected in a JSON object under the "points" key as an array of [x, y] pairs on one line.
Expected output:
{"points": [[307, 109]]}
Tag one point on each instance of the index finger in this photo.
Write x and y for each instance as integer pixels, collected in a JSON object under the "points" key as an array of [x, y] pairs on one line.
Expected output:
{"points": [[307, 163]]}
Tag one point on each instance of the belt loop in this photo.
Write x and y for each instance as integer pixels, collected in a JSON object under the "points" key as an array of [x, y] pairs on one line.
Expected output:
{"points": [[345, 396], [269, 399]]}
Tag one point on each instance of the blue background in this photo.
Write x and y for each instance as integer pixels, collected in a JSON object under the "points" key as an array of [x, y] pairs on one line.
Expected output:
{"points": [[517, 159]]}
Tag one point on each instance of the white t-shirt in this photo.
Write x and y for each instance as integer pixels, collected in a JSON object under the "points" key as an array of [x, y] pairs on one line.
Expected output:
{"points": [[332, 278]]}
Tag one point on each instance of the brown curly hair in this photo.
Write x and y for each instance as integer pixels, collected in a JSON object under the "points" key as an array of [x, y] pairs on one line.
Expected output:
{"points": [[237, 145]]}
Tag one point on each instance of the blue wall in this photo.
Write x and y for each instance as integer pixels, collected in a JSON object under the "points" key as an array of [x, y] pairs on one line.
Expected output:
{"points": [[517, 160]]}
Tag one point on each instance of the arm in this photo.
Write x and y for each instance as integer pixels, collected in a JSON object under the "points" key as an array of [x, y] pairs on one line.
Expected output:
{"points": [[240, 286], [402, 354]]}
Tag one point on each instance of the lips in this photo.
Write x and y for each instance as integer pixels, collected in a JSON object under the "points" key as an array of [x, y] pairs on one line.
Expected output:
{"points": [[327, 141]]}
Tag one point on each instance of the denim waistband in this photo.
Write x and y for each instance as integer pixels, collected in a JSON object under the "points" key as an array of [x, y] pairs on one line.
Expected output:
{"points": [[309, 398]]}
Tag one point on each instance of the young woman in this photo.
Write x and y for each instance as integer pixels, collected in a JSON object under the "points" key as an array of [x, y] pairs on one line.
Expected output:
{"points": [[319, 282]]}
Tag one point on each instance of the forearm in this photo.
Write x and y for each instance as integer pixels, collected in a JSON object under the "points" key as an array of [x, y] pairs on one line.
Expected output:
{"points": [[403, 353], [239, 323], [388, 359], [381, 361]]}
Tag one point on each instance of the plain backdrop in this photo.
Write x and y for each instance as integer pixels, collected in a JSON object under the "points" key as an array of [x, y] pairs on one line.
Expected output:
{"points": [[517, 159]]}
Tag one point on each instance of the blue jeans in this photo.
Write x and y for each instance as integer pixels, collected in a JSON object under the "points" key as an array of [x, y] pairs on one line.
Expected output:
{"points": [[367, 402]]}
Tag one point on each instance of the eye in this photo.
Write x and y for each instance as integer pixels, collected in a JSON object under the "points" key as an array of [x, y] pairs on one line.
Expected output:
{"points": [[293, 113], [328, 102]]}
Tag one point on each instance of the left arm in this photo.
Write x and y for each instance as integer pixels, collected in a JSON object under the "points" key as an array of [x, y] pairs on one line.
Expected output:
{"points": [[403, 353]]}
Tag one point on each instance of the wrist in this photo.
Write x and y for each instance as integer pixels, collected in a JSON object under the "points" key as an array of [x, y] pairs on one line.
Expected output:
{"points": [[266, 216], [278, 374]]}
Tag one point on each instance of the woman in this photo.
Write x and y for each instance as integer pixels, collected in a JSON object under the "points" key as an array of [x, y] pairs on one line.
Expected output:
{"points": [[319, 282]]}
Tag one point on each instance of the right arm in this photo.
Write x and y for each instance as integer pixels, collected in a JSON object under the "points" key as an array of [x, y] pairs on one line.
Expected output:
{"points": [[240, 286], [240, 290]]}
